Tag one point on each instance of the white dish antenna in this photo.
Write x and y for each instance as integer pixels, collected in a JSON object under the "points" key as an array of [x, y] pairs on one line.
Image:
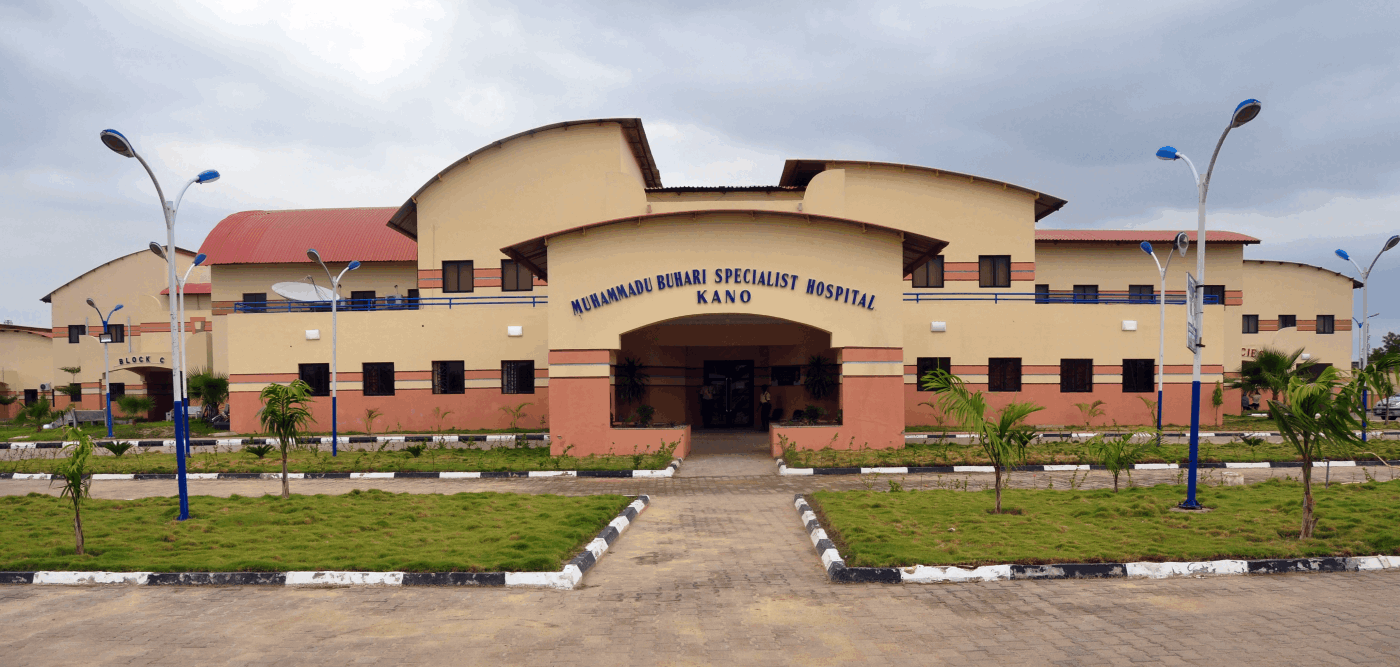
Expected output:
{"points": [[299, 291]]}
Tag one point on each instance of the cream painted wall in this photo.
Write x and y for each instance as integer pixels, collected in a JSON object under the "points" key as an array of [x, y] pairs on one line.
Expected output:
{"points": [[26, 360], [1287, 288], [231, 281], [668, 202]]}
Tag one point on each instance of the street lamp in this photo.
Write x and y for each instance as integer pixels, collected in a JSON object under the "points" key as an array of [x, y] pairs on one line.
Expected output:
{"points": [[335, 298], [1366, 319], [180, 315], [121, 146], [106, 339], [1182, 241], [1244, 112]]}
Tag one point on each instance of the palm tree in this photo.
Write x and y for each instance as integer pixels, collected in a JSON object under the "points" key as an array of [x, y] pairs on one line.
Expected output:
{"points": [[1003, 439], [77, 483], [821, 377], [39, 413], [285, 415], [631, 381], [211, 389], [1272, 370], [1318, 414], [135, 407]]}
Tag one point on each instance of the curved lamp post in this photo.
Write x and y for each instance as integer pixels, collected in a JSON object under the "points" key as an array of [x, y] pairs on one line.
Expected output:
{"points": [[106, 339], [335, 298], [181, 282], [121, 146], [1366, 318], [1182, 241], [1244, 112]]}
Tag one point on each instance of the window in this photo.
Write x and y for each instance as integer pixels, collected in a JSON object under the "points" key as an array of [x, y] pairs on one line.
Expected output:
{"points": [[1138, 375], [786, 376], [31, 396], [928, 365], [457, 277], [255, 302], [930, 274], [449, 377], [361, 300], [1076, 375], [411, 301], [1286, 321], [378, 378], [515, 277], [994, 271], [517, 377], [118, 332], [1215, 294], [1326, 324], [1141, 294], [1004, 374], [1086, 293], [316, 376], [118, 389], [75, 392], [1042, 294], [76, 332], [1249, 324]]}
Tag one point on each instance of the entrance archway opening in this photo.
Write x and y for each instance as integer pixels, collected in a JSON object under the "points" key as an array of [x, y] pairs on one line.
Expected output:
{"points": [[159, 388]]}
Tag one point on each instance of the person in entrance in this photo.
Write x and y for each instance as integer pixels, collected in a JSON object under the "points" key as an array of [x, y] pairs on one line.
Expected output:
{"points": [[765, 407]]}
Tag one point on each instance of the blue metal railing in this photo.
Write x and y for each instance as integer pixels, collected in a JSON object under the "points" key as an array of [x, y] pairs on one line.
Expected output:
{"points": [[1054, 297], [390, 303]]}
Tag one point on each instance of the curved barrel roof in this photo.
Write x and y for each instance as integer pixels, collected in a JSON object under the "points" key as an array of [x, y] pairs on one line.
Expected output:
{"points": [[283, 237]]}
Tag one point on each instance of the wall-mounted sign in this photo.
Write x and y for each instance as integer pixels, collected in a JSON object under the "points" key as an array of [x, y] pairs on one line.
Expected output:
{"points": [[132, 361], [722, 295]]}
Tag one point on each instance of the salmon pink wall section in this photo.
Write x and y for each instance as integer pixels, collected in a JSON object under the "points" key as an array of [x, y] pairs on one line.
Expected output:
{"points": [[579, 415], [1120, 408], [645, 440], [408, 410]]}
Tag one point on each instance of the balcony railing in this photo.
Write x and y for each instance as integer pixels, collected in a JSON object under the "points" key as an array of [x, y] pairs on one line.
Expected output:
{"points": [[1055, 296], [390, 303]]}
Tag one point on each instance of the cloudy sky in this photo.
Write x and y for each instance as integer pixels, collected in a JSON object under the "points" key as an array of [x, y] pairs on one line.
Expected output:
{"points": [[326, 104]]}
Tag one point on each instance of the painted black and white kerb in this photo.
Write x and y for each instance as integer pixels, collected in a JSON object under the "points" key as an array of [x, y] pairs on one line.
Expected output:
{"points": [[566, 578], [238, 443], [669, 471], [837, 571], [783, 469]]}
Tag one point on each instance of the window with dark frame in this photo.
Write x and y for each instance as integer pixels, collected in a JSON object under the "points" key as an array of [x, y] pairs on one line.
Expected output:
{"points": [[117, 332], [1214, 295], [458, 277], [1004, 374], [1249, 324], [254, 302], [378, 378], [1139, 375], [928, 365], [1141, 294], [118, 389], [1287, 321], [930, 273], [410, 302], [1042, 294], [515, 277], [518, 377], [1086, 293], [994, 270], [786, 376], [449, 377], [1326, 324], [31, 396], [1076, 375], [316, 376], [362, 299], [76, 333], [75, 392]]}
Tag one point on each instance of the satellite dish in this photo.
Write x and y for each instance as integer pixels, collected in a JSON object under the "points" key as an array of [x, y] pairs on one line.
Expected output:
{"points": [[299, 291]]}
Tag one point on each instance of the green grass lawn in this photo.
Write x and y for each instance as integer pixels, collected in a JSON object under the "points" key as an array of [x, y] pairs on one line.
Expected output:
{"points": [[944, 527], [361, 531], [137, 431], [432, 458]]}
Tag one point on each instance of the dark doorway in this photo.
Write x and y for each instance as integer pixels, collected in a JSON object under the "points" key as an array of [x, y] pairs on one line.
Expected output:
{"points": [[161, 390], [730, 385]]}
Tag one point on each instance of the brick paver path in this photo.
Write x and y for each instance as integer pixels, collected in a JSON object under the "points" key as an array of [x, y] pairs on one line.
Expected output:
{"points": [[717, 571]]}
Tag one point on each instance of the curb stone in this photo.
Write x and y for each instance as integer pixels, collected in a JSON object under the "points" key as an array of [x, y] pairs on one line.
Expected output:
{"points": [[1090, 434], [838, 572], [670, 471], [783, 469], [565, 579], [237, 443]]}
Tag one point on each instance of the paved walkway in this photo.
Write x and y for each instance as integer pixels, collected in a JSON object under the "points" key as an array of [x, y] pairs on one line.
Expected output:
{"points": [[716, 571]]}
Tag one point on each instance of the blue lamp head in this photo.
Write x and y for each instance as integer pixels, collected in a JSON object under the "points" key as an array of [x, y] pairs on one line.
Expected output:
{"points": [[1343, 254], [199, 259], [1146, 247], [1246, 111], [117, 142], [119, 307], [206, 176], [354, 265], [1167, 153]]}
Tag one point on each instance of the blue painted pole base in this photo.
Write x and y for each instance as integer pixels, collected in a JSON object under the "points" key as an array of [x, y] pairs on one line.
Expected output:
{"points": [[1190, 502]]}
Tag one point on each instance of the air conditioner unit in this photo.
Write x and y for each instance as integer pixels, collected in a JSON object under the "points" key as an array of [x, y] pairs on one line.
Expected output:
{"points": [[45, 387]]}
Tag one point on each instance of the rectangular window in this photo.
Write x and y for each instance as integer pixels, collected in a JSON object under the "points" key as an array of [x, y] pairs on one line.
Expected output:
{"points": [[410, 302], [1326, 324], [76, 332], [75, 392], [930, 274], [1287, 321], [994, 271], [515, 277], [1249, 324], [1086, 293], [31, 396], [361, 300], [1004, 374], [449, 377], [1042, 294], [255, 302], [1215, 294], [1076, 375], [786, 376], [1138, 375], [378, 378], [517, 377], [458, 277], [316, 376], [118, 332], [928, 365], [1141, 294], [118, 390]]}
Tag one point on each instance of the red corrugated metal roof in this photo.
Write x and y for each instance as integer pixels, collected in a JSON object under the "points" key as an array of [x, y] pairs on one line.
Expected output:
{"points": [[283, 237], [194, 288], [1135, 236]]}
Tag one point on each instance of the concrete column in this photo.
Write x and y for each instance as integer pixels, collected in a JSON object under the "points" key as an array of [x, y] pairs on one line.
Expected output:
{"points": [[580, 400], [872, 396]]}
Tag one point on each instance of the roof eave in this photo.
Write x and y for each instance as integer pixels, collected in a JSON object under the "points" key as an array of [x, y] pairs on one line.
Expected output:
{"points": [[794, 170]]}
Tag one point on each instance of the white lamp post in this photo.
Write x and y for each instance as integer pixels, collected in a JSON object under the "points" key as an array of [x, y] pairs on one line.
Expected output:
{"points": [[106, 339], [1244, 112], [1180, 244], [121, 146], [1366, 321], [335, 298]]}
